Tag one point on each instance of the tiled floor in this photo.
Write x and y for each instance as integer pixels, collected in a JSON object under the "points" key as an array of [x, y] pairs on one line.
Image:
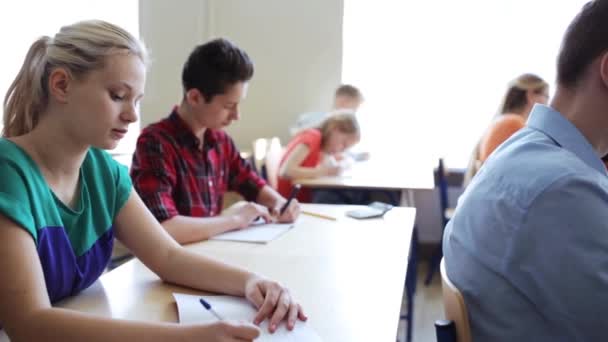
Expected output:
{"points": [[428, 307]]}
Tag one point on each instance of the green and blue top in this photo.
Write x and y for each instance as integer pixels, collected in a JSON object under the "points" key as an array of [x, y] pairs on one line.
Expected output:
{"points": [[74, 244]]}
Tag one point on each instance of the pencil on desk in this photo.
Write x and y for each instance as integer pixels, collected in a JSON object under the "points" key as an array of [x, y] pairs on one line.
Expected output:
{"points": [[310, 213]]}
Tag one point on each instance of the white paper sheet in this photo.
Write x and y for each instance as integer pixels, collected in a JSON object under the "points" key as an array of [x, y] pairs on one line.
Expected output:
{"points": [[190, 311], [258, 233]]}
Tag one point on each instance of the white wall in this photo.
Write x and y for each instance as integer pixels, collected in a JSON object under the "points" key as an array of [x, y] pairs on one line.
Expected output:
{"points": [[296, 47], [170, 32]]}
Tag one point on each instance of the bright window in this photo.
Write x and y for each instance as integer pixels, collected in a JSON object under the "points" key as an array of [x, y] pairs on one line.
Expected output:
{"points": [[434, 72], [24, 21]]}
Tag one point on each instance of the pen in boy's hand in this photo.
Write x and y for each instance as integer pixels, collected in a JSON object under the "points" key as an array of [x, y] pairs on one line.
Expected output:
{"points": [[210, 309], [292, 195]]}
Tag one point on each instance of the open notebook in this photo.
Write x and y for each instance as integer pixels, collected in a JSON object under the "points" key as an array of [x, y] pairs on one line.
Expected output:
{"points": [[259, 232], [191, 311]]}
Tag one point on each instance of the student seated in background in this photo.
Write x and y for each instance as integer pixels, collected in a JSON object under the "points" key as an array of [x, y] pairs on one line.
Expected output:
{"points": [[311, 153], [63, 199], [525, 91], [528, 243], [185, 163], [347, 97]]}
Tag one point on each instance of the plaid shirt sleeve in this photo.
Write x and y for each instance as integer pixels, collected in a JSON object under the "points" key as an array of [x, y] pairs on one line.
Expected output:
{"points": [[241, 176], [154, 176]]}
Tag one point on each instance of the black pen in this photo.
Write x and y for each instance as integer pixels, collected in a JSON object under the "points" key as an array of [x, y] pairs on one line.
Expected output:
{"points": [[292, 195]]}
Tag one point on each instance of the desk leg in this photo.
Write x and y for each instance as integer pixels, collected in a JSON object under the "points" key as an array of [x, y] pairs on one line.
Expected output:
{"points": [[407, 198]]}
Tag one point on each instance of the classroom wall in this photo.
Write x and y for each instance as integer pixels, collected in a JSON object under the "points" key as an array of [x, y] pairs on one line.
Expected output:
{"points": [[296, 47], [170, 32]]}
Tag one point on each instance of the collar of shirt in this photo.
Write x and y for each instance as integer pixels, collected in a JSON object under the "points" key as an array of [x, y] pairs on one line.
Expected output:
{"points": [[550, 122], [184, 135]]}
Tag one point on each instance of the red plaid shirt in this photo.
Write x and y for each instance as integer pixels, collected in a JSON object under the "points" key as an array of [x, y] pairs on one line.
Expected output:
{"points": [[174, 176]]}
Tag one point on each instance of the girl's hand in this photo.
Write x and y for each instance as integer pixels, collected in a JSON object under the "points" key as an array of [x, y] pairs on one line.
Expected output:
{"points": [[274, 302], [221, 331], [329, 170]]}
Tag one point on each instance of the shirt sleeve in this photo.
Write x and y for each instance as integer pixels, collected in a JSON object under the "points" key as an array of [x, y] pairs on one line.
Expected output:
{"points": [[241, 176], [497, 134], [123, 185], [15, 203], [154, 176]]}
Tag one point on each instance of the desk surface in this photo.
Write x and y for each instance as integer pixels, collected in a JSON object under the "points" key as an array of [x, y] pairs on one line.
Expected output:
{"points": [[348, 274], [377, 174]]}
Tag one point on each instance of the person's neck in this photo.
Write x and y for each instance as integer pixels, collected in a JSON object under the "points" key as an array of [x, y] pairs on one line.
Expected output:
{"points": [[185, 112], [56, 153], [585, 109]]}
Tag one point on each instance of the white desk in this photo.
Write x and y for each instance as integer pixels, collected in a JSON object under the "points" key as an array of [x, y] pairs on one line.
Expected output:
{"points": [[379, 174], [348, 275]]}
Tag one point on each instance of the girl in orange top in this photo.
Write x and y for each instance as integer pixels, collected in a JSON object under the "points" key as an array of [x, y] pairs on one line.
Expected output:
{"points": [[312, 152], [524, 92]]}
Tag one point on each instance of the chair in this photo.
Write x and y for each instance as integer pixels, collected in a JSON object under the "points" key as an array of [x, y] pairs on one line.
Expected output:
{"points": [[456, 328], [273, 161], [446, 215], [267, 153], [260, 146]]}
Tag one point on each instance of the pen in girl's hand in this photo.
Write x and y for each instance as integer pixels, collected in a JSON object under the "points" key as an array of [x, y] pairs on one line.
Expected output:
{"points": [[208, 307]]}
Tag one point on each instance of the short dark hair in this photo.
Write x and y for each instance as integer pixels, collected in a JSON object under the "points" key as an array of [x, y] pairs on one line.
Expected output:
{"points": [[214, 66], [349, 90], [585, 39]]}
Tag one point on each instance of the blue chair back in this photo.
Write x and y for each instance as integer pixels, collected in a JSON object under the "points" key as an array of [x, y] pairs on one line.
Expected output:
{"points": [[442, 185]]}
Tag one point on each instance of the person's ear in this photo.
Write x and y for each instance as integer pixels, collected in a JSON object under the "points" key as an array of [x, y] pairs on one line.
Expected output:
{"points": [[59, 84], [194, 97], [604, 68]]}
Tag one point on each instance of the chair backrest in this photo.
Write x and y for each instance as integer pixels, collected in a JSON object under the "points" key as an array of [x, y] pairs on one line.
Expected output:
{"points": [[260, 146], [273, 161], [442, 185], [455, 308]]}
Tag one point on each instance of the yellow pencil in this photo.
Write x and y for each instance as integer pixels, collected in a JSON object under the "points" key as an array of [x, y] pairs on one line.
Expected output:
{"points": [[309, 213]]}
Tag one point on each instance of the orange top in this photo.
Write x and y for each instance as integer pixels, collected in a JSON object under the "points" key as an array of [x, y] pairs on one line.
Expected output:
{"points": [[312, 139], [505, 126]]}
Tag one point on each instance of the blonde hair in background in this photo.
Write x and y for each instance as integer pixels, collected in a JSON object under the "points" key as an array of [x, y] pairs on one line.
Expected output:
{"points": [[344, 121], [79, 48], [516, 96], [514, 101]]}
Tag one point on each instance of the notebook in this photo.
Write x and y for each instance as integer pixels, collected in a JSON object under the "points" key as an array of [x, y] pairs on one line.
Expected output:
{"points": [[190, 311], [257, 233]]}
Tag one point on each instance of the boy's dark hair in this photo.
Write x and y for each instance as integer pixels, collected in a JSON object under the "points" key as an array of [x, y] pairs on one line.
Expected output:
{"points": [[348, 90], [585, 39], [214, 66]]}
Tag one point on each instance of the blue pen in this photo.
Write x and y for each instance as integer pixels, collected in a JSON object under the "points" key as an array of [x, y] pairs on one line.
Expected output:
{"points": [[208, 307]]}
